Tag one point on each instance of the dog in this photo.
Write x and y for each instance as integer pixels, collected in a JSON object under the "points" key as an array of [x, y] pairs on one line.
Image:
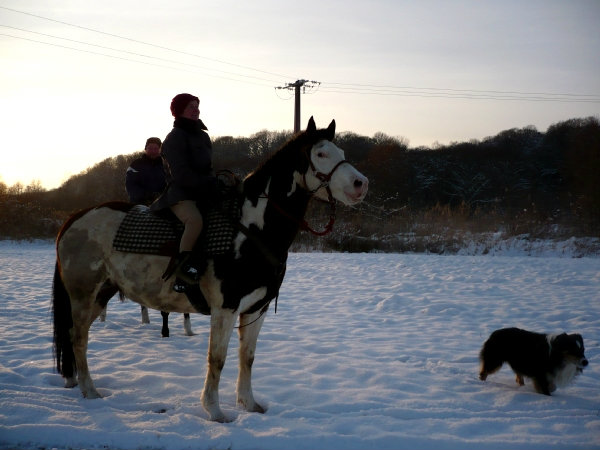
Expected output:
{"points": [[550, 360]]}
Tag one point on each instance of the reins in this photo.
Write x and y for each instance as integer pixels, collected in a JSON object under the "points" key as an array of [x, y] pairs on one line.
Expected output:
{"points": [[262, 312], [324, 178], [303, 224]]}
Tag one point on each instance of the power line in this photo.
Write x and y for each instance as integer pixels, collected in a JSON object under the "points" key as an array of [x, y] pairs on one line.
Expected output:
{"points": [[328, 87], [130, 60], [123, 51], [476, 91], [468, 95], [144, 43]]}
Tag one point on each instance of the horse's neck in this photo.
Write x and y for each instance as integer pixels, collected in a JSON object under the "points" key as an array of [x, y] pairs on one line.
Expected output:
{"points": [[286, 204]]}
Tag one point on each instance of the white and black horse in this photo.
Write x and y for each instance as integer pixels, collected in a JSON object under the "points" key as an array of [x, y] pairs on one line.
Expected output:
{"points": [[241, 284]]}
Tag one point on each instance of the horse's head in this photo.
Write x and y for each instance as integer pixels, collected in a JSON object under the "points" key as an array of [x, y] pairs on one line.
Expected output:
{"points": [[328, 167]]}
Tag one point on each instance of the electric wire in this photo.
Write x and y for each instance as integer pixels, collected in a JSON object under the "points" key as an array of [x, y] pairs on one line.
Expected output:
{"points": [[143, 43], [325, 87], [132, 60], [125, 52], [561, 98], [388, 87]]}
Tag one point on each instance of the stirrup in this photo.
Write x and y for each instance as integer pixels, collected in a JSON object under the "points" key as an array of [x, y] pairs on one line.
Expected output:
{"points": [[180, 286], [178, 265], [187, 273]]}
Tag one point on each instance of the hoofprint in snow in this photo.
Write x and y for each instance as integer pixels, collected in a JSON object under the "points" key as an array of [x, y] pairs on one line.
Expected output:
{"points": [[365, 351]]}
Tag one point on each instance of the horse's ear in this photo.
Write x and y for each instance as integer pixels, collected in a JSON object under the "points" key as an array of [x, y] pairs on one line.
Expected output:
{"points": [[331, 130], [312, 127]]}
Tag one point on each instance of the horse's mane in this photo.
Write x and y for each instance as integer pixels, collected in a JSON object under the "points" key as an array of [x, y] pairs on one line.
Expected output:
{"points": [[278, 156], [292, 155]]}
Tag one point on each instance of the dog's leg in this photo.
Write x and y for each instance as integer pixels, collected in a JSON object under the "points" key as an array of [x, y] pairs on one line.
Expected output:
{"points": [[520, 380], [541, 385]]}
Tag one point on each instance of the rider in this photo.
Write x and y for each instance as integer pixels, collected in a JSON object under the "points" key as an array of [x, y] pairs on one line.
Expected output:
{"points": [[191, 182], [145, 176]]}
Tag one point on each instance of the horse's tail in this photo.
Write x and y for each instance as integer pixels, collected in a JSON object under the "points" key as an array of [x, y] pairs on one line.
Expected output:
{"points": [[63, 322]]}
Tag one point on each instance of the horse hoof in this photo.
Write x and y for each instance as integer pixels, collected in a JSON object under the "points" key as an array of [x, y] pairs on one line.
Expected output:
{"points": [[254, 408], [91, 395], [220, 418], [70, 382], [257, 409]]}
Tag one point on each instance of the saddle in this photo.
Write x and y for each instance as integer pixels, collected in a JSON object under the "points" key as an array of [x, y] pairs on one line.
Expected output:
{"points": [[142, 231]]}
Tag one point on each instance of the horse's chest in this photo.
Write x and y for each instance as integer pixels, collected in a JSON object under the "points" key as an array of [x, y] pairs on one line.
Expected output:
{"points": [[248, 284]]}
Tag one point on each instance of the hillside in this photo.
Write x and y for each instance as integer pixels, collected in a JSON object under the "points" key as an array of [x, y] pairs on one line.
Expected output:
{"points": [[520, 182]]}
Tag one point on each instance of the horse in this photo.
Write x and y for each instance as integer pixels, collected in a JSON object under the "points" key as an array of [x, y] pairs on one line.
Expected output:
{"points": [[239, 285], [164, 331]]}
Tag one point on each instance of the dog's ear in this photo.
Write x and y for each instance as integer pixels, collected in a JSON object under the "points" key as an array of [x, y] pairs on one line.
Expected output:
{"points": [[560, 342], [578, 341], [571, 343]]}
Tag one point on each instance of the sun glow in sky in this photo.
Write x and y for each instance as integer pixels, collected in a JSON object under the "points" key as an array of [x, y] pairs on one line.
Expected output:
{"points": [[82, 81]]}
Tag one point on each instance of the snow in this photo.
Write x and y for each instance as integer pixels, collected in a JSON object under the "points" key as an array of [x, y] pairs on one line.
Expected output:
{"points": [[366, 351]]}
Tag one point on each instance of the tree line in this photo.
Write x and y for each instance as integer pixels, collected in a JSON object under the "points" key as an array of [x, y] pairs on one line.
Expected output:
{"points": [[519, 178]]}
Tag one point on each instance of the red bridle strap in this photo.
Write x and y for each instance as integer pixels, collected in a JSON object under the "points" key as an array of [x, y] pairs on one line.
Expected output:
{"points": [[325, 179]]}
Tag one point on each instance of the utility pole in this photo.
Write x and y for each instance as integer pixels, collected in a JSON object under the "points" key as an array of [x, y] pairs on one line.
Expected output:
{"points": [[296, 86]]}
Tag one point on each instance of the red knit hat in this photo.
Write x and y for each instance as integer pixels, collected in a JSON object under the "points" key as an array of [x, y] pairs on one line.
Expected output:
{"points": [[180, 102]]}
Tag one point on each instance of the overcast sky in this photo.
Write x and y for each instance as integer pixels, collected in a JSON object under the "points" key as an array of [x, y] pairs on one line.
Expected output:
{"points": [[82, 81]]}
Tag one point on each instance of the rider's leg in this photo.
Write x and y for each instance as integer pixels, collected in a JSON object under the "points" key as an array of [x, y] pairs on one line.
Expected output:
{"points": [[188, 213]]}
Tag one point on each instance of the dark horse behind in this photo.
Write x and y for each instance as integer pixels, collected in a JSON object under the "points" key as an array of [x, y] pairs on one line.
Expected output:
{"points": [[241, 284]]}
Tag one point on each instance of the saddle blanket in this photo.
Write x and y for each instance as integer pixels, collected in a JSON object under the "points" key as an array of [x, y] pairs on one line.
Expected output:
{"points": [[142, 231]]}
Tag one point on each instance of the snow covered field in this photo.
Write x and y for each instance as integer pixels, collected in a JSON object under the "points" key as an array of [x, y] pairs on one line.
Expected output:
{"points": [[366, 351]]}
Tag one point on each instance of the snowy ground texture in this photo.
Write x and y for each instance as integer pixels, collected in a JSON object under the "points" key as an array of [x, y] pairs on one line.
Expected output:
{"points": [[366, 351]]}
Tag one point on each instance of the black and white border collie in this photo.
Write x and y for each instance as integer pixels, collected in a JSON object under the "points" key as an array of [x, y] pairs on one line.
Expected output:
{"points": [[550, 360]]}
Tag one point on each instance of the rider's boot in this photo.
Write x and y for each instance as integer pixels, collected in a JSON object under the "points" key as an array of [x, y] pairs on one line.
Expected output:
{"points": [[185, 269], [186, 273]]}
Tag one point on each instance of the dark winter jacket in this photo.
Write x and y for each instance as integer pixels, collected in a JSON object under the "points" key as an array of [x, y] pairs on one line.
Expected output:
{"points": [[187, 156], [145, 180]]}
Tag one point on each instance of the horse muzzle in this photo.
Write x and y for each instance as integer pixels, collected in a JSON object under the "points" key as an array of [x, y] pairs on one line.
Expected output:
{"points": [[358, 190]]}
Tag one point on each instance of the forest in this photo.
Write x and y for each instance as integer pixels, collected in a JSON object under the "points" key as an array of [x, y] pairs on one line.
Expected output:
{"points": [[519, 182]]}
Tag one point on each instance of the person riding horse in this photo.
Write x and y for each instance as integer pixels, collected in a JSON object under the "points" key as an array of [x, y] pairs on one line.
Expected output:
{"points": [[191, 182], [237, 286]]}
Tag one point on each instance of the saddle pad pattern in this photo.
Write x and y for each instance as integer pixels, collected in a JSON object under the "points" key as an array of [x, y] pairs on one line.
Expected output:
{"points": [[144, 232], [220, 230]]}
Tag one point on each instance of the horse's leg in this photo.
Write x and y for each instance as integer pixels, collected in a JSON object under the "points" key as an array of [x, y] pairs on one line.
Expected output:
{"points": [[250, 325], [221, 326], [83, 313], [165, 326], [187, 325], [144, 311], [107, 290]]}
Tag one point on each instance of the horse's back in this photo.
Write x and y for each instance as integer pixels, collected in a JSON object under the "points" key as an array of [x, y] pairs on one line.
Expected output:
{"points": [[89, 235], [89, 261], [84, 244]]}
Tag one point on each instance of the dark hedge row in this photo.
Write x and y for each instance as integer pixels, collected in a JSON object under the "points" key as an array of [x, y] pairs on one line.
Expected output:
{"points": [[521, 180]]}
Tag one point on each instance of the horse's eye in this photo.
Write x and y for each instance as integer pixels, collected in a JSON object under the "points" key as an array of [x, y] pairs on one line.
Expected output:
{"points": [[321, 155]]}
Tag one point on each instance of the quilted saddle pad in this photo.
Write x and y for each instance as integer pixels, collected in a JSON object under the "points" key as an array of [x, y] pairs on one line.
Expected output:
{"points": [[142, 231]]}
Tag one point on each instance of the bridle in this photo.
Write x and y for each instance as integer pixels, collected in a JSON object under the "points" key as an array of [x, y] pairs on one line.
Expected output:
{"points": [[324, 179]]}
